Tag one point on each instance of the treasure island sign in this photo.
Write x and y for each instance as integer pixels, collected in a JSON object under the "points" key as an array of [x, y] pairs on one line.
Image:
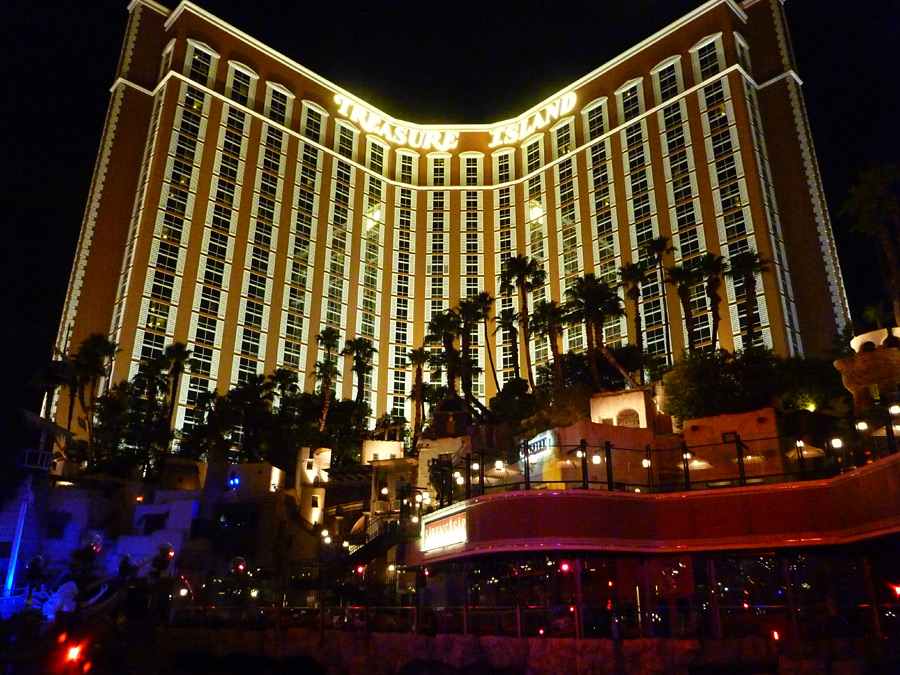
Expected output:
{"points": [[444, 531], [432, 139]]}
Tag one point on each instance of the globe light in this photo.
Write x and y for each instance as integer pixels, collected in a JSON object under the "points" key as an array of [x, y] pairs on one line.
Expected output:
{"points": [[837, 443], [894, 410], [498, 464], [475, 466], [862, 426], [595, 459]]}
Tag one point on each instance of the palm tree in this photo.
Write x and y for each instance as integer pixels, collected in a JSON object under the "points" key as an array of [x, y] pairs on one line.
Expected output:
{"points": [[326, 369], [362, 350], [177, 357], [443, 329], [874, 208], [713, 267], [592, 302], [251, 403], [548, 319], [484, 303], [527, 275], [632, 276], [508, 320], [655, 250], [470, 312], [744, 267], [152, 383], [417, 358], [683, 277]]}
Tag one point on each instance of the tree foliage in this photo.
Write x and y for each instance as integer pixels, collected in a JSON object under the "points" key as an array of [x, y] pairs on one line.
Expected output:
{"points": [[704, 384]]}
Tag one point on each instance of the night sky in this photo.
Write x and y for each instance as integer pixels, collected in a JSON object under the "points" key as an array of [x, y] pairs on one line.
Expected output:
{"points": [[419, 61]]}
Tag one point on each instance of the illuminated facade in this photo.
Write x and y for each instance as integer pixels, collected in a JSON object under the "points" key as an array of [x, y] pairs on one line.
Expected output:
{"points": [[242, 203]]}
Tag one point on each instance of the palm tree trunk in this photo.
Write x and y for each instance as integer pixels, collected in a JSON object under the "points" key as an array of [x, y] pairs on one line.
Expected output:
{"points": [[592, 355], [326, 403], [558, 371], [639, 337], [526, 341], [749, 282], [684, 295], [487, 347]]}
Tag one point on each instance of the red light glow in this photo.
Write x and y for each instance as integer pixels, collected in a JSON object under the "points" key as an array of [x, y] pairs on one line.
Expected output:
{"points": [[73, 653], [775, 635], [896, 589], [564, 567]]}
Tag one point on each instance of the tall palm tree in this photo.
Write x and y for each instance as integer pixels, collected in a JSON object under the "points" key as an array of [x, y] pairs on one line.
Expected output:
{"points": [[417, 358], [362, 350], [526, 275], [177, 357], [508, 320], [484, 303], [592, 302], [326, 369], [252, 406], [632, 276], [655, 250], [548, 319], [443, 329], [683, 277], [874, 209], [470, 313], [90, 366], [713, 267], [743, 267], [152, 383]]}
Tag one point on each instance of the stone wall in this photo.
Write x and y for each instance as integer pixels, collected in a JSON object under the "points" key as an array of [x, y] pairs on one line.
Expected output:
{"points": [[348, 653]]}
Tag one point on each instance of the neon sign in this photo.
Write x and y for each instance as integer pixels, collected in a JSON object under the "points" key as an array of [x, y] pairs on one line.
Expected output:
{"points": [[444, 531], [528, 125], [373, 123]]}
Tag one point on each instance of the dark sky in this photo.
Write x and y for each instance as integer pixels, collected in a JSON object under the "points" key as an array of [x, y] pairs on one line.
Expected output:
{"points": [[420, 61]]}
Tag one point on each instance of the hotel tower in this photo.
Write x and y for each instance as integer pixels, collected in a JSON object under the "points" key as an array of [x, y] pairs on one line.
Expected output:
{"points": [[242, 203]]}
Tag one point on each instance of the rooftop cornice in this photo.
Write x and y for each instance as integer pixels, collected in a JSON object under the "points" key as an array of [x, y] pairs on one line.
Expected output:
{"points": [[187, 6]]}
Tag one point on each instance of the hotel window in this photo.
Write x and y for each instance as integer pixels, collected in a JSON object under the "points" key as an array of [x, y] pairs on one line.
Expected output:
{"points": [[471, 166], [278, 105], [166, 65], [708, 58], [437, 169], [503, 166], [594, 119], [241, 84], [743, 52], [532, 153], [312, 121], [376, 156], [562, 138], [407, 163], [667, 80], [201, 62], [630, 103], [346, 140]]}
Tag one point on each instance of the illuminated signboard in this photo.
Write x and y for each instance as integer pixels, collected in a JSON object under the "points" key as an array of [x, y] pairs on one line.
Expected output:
{"points": [[444, 531], [528, 125], [433, 139], [373, 123]]}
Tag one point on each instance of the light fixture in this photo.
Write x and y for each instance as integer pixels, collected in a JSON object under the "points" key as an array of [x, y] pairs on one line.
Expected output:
{"points": [[475, 466], [384, 491], [894, 410], [327, 540], [419, 497], [595, 459], [391, 567], [460, 480], [456, 474], [324, 533], [687, 455], [498, 464], [579, 454], [645, 463], [837, 443], [345, 544], [862, 426]]}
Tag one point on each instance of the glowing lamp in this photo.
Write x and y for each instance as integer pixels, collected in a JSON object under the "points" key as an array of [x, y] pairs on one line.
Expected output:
{"points": [[894, 410], [498, 464], [837, 443], [595, 459], [862, 426]]}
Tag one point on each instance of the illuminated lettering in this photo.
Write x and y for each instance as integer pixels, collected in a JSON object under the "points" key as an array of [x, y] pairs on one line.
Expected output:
{"points": [[373, 123], [519, 131], [444, 532]]}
